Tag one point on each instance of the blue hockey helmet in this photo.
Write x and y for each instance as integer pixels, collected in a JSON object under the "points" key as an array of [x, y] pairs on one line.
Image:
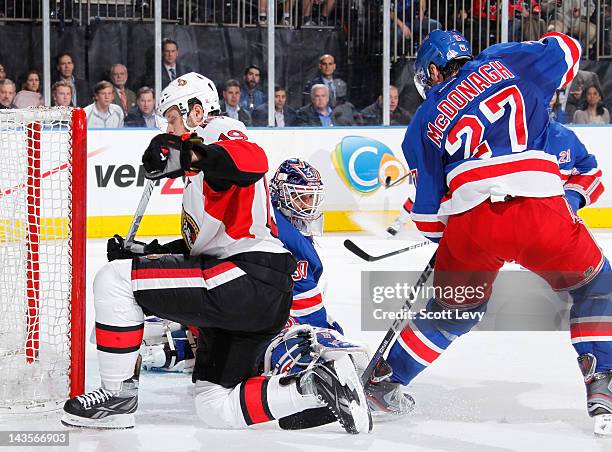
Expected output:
{"points": [[440, 47], [297, 191]]}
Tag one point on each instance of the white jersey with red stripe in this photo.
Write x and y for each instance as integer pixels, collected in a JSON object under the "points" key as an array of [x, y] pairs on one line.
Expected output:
{"points": [[223, 213], [482, 134]]}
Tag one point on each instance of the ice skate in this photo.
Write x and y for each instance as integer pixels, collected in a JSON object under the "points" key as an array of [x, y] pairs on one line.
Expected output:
{"points": [[103, 409], [337, 384], [385, 396], [599, 394]]}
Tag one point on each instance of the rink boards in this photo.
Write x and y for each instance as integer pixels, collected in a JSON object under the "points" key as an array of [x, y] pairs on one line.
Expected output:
{"points": [[354, 164]]}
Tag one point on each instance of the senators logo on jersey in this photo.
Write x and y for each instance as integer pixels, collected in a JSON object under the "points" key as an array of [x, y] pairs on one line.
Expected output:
{"points": [[189, 229]]}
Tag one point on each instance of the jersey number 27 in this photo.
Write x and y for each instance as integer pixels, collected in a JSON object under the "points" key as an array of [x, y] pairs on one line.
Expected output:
{"points": [[493, 108]]}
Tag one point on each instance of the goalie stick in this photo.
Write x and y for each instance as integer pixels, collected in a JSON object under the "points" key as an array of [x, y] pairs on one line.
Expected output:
{"points": [[142, 206], [399, 323], [359, 252]]}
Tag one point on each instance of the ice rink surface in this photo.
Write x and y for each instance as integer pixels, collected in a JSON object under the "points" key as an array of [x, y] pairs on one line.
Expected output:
{"points": [[491, 391]]}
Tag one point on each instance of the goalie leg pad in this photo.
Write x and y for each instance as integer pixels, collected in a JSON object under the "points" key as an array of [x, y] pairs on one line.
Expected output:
{"points": [[119, 323]]}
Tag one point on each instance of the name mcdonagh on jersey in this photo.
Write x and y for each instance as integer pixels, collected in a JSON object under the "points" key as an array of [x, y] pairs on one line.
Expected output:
{"points": [[424, 314], [476, 83]]}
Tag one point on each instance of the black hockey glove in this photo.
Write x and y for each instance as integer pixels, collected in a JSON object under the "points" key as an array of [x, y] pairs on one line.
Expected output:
{"points": [[115, 248], [165, 157]]}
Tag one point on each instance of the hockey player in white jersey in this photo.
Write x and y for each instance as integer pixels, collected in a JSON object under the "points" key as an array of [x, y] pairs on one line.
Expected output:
{"points": [[232, 280]]}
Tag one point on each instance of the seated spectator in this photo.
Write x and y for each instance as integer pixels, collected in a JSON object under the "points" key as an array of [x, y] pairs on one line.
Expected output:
{"points": [[251, 95], [61, 94], [318, 112], [345, 113], [593, 112], [2, 72], [284, 115], [124, 97], [30, 96], [230, 105], [81, 94], [557, 113], [327, 67], [143, 114], [421, 24], [572, 16], [373, 114], [7, 93], [576, 91], [103, 114]]}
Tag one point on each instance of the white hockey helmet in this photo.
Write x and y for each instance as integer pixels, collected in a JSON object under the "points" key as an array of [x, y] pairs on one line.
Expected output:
{"points": [[182, 92]]}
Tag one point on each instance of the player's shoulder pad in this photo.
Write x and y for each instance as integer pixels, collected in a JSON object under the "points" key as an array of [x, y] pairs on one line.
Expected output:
{"points": [[222, 128]]}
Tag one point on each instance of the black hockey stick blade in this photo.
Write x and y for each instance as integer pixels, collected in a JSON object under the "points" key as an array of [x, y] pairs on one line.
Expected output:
{"points": [[359, 252], [398, 324]]}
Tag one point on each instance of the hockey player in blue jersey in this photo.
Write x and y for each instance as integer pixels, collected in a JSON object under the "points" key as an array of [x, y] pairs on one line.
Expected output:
{"points": [[490, 189]]}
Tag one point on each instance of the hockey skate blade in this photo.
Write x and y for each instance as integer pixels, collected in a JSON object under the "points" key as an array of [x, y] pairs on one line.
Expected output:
{"points": [[360, 411], [603, 425], [116, 421]]}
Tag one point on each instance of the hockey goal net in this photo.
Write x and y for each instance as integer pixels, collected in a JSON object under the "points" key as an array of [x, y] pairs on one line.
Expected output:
{"points": [[42, 257]]}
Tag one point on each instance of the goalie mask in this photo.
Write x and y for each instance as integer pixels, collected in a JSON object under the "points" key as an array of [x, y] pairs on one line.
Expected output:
{"points": [[298, 192], [183, 92]]}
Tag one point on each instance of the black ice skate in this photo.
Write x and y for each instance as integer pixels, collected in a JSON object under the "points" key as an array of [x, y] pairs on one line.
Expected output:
{"points": [[336, 383], [385, 396], [599, 394], [103, 409]]}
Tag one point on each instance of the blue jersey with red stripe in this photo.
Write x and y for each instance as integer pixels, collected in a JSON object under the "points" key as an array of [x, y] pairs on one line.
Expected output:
{"points": [[482, 133], [307, 306], [578, 168]]}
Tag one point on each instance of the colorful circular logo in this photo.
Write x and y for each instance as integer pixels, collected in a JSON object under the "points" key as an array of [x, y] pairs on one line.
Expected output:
{"points": [[364, 164]]}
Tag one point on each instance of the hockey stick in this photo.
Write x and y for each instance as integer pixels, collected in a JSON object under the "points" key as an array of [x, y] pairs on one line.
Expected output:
{"points": [[355, 249], [399, 323], [142, 206], [388, 183]]}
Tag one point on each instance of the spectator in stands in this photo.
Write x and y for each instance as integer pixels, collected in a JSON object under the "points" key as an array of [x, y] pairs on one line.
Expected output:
{"points": [[572, 16], [345, 113], [143, 114], [171, 67], [318, 112], [576, 91], [2, 72], [103, 114], [372, 114], [284, 115], [421, 24], [81, 95], [61, 93], [557, 113], [230, 105], [593, 111], [324, 21], [327, 67], [488, 12], [251, 95], [7, 93], [30, 96], [124, 97]]}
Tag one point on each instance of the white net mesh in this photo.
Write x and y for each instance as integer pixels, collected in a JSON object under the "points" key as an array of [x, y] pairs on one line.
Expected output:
{"points": [[35, 258]]}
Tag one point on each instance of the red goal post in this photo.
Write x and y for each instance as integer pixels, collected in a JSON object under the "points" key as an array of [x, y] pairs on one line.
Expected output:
{"points": [[43, 174]]}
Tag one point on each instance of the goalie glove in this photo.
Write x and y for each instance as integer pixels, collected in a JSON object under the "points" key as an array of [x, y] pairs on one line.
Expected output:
{"points": [[167, 346]]}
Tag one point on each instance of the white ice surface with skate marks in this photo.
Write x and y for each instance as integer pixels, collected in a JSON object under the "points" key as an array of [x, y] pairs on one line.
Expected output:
{"points": [[491, 391]]}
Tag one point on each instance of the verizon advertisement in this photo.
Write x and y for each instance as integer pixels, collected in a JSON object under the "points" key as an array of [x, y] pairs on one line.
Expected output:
{"points": [[357, 164]]}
